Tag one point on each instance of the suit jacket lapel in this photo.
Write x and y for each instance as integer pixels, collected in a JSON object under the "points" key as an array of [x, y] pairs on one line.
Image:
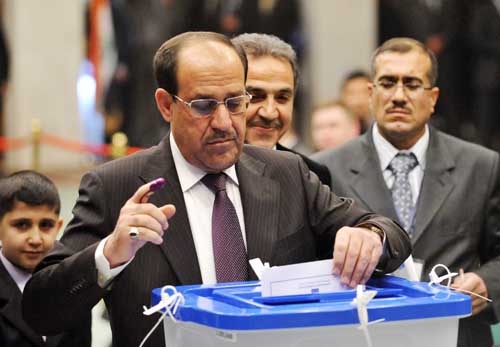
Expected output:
{"points": [[436, 184], [259, 206], [10, 293], [367, 180], [178, 245]]}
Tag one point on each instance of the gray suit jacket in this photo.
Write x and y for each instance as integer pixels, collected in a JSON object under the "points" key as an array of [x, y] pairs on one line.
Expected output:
{"points": [[287, 213], [457, 222]]}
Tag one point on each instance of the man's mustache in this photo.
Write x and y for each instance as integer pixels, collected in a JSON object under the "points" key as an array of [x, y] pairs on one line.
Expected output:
{"points": [[219, 136], [399, 109], [265, 123]]}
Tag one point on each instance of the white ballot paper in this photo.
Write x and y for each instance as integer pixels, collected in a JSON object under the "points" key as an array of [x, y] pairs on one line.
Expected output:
{"points": [[411, 269], [304, 278]]}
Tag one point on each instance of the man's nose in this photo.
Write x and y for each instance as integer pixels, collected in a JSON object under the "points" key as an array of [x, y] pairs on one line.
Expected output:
{"points": [[269, 110], [222, 118], [399, 92]]}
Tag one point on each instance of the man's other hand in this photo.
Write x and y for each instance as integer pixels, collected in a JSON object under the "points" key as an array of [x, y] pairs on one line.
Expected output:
{"points": [[471, 282]]}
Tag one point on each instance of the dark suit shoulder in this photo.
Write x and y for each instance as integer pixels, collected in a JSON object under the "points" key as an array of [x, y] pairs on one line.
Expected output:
{"points": [[280, 165], [319, 169], [269, 155], [276, 160]]}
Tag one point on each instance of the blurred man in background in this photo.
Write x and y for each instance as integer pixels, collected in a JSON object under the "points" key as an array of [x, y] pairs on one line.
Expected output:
{"points": [[333, 124], [354, 94]]}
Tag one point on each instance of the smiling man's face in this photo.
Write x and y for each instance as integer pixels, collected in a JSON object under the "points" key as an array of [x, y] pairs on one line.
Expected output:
{"points": [[270, 81]]}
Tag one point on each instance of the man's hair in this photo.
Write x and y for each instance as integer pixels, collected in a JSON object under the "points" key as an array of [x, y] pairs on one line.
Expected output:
{"points": [[30, 187], [405, 45], [165, 62], [261, 45], [339, 104], [353, 75]]}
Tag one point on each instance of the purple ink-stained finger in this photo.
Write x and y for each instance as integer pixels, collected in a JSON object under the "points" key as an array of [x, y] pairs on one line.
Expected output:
{"points": [[157, 184]]}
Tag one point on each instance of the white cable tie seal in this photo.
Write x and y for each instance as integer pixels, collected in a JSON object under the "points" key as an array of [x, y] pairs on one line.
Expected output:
{"points": [[170, 302], [436, 280], [361, 301]]}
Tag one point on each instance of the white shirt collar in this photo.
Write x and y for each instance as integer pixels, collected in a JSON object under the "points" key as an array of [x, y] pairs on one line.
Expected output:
{"points": [[188, 174], [19, 276], [386, 151]]}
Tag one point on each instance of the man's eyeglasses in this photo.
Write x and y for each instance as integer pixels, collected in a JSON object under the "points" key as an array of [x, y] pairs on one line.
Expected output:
{"points": [[206, 107], [411, 87]]}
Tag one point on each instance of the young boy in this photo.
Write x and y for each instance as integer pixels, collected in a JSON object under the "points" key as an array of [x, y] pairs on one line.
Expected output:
{"points": [[29, 224]]}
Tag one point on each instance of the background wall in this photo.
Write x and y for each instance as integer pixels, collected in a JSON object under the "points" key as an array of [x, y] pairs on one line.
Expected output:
{"points": [[342, 35], [46, 47]]}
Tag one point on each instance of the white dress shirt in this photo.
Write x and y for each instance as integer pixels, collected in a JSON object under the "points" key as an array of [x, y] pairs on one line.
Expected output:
{"points": [[386, 152], [19, 276], [199, 205]]}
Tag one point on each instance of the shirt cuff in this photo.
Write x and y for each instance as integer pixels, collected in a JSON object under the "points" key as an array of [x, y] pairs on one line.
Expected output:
{"points": [[104, 272]]}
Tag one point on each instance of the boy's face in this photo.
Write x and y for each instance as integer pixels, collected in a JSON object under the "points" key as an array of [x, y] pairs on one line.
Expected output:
{"points": [[28, 233]]}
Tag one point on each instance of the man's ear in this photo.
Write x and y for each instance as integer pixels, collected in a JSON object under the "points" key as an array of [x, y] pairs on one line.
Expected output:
{"points": [[163, 101], [434, 97]]}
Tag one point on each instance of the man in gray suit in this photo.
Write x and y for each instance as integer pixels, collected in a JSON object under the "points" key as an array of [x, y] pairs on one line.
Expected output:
{"points": [[452, 207], [124, 240]]}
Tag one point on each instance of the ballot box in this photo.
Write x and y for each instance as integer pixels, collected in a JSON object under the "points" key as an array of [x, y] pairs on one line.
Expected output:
{"points": [[236, 314]]}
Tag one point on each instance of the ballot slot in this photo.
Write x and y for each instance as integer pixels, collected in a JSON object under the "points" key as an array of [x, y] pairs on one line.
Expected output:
{"points": [[248, 295]]}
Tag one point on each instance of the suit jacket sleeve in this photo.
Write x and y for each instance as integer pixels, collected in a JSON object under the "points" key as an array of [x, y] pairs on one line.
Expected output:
{"points": [[328, 213]]}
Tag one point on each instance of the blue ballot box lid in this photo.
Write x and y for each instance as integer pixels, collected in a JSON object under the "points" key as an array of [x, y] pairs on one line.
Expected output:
{"points": [[240, 305]]}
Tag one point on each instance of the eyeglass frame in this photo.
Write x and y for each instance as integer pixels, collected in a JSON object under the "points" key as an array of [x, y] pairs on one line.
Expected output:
{"points": [[188, 104], [404, 85]]}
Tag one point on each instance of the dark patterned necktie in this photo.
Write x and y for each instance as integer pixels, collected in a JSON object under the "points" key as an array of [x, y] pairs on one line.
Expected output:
{"points": [[401, 165], [231, 263]]}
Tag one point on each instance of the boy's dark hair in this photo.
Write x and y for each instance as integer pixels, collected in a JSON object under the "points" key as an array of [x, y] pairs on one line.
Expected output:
{"points": [[30, 187]]}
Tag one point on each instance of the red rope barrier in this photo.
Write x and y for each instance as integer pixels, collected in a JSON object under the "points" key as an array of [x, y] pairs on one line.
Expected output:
{"points": [[73, 146], [8, 144]]}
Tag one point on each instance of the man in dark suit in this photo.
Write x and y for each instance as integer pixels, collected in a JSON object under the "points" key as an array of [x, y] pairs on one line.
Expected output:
{"points": [[272, 82], [453, 211], [117, 246]]}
